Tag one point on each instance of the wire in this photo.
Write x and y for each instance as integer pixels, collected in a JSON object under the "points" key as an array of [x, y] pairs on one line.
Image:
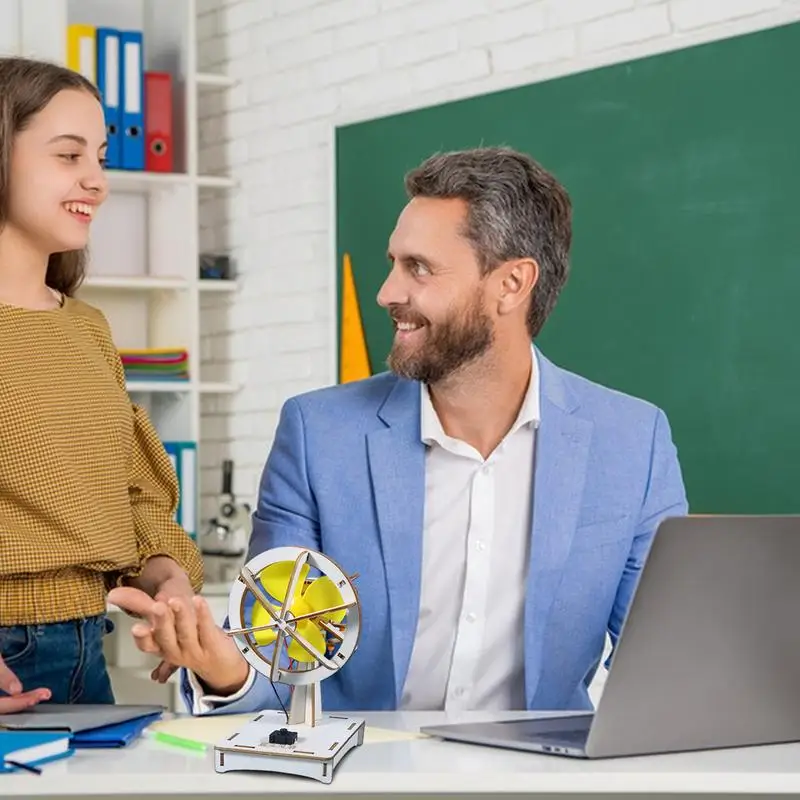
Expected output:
{"points": [[283, 707]]}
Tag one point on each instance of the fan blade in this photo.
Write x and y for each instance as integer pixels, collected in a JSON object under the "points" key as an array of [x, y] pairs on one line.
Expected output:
{"points": [[275, 578], [261, 617], [322, 593], [313, 635]]}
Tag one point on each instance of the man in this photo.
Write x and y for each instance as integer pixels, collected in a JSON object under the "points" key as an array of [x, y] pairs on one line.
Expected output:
{"points": [[496, 508]]}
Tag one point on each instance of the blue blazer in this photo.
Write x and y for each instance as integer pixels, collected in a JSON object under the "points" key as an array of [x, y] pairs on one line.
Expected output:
{"points": [[345, 476]]}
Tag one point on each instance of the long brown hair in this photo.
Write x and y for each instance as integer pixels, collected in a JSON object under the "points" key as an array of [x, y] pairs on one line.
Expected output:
{"points": [[26, 87]]}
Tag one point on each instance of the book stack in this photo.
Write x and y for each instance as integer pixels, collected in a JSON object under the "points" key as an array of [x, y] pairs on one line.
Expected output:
{"points": [[155, 364]]}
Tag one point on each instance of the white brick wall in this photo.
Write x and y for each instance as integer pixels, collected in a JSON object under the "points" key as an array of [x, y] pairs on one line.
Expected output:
{"points": [[305, 64]]}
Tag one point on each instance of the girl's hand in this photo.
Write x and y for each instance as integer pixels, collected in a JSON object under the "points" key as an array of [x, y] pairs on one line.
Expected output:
{"points": [[17, 700]]}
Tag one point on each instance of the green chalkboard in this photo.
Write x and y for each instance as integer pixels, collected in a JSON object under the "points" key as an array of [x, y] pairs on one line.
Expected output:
{"points": [[684, 171]]}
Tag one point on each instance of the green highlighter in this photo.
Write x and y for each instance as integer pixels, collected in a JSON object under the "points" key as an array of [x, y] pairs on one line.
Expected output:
{"points": [[177, 741]]}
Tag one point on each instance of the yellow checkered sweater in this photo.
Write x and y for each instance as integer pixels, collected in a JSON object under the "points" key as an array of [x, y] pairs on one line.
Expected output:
{"points": [[87, 492]]}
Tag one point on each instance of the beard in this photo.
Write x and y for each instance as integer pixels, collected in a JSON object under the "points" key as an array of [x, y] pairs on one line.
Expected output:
{"points": [[445, 347]]}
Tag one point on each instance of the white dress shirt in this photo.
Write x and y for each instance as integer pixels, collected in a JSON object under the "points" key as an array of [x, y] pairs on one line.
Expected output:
{"points": [[468, 650]]}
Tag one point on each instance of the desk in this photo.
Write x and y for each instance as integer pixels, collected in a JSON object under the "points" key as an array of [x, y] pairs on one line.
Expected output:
{"points": [[413, 768]]}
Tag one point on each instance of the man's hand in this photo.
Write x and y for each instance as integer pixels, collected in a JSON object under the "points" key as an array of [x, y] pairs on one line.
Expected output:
{"points": [[162, 578], [178, 588], [17, 699], [183, 633]]}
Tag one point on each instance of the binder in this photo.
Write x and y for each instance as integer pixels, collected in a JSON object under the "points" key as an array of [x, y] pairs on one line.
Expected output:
{"points": [[188, 481], [174, 452], [81, 50], [183, 456], [158, 121], [132, 97], [109, 83], [119, 734]]}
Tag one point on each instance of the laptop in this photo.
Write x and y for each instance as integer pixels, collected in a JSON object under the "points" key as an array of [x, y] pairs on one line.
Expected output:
{"points": [[75, 718], [708, 657]]}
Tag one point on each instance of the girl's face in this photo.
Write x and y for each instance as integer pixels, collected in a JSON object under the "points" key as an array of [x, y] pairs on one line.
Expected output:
{"points": [[56, 181]]}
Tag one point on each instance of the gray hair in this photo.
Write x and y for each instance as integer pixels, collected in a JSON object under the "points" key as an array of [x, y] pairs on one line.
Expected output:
{"points": [[516, 209]]}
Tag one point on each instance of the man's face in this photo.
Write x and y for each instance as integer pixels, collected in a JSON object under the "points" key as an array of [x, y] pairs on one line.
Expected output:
{"points": [[434, 293]]}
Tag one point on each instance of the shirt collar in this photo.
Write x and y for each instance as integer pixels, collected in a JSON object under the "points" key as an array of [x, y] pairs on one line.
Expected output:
{"points": [[431, 430]]}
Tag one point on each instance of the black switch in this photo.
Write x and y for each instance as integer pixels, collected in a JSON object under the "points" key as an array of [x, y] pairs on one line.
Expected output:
{"points": [[283, 736]]}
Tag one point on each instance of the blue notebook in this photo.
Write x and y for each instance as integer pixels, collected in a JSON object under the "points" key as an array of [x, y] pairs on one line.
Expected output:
{"points": [[117, 735], [30, 749]]}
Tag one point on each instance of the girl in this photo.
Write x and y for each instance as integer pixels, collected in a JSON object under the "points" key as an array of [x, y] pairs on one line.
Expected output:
{"points": [[87, 493]]}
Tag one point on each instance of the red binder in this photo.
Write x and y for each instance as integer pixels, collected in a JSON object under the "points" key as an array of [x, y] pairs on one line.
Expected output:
{"points": [[158, 122]]}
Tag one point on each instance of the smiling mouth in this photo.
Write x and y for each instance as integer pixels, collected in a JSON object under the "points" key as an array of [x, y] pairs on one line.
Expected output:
{"points": [[407, 327], [407, 331], [82, 211]]}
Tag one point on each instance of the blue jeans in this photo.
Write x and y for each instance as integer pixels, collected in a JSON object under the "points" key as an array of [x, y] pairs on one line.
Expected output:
{"points": [[64, 657]]}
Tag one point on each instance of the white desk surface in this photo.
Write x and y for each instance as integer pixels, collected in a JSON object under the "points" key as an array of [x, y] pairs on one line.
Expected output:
{"points": [[405, 768]]}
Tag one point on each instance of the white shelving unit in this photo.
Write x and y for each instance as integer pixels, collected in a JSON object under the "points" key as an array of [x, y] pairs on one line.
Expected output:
{"points": [[144, 251], [214, 81]]}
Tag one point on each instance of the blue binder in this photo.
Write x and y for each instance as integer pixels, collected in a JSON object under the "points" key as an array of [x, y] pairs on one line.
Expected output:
{"points": [[183, 456], [117, 735], [109, 82], [132, 96]]}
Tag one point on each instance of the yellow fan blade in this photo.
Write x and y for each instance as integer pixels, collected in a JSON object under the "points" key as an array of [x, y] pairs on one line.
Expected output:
{"points": [[275, 579], [261, 617], [313, 635], [322, 593]]}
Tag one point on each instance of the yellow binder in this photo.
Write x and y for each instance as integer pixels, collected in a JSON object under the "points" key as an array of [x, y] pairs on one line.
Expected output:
{"points": [[82, 50]]}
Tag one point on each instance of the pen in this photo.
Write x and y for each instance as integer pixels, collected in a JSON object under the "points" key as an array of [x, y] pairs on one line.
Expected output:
{"points": [[20, 765]]}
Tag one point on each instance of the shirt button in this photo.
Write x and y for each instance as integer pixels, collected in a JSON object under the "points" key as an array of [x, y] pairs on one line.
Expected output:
{"points": [[480, 545], [472, 616], [459, 691]]}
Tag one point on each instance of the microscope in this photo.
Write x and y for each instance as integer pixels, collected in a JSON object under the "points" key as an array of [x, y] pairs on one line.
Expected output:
{"points": [[224, 543]]}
